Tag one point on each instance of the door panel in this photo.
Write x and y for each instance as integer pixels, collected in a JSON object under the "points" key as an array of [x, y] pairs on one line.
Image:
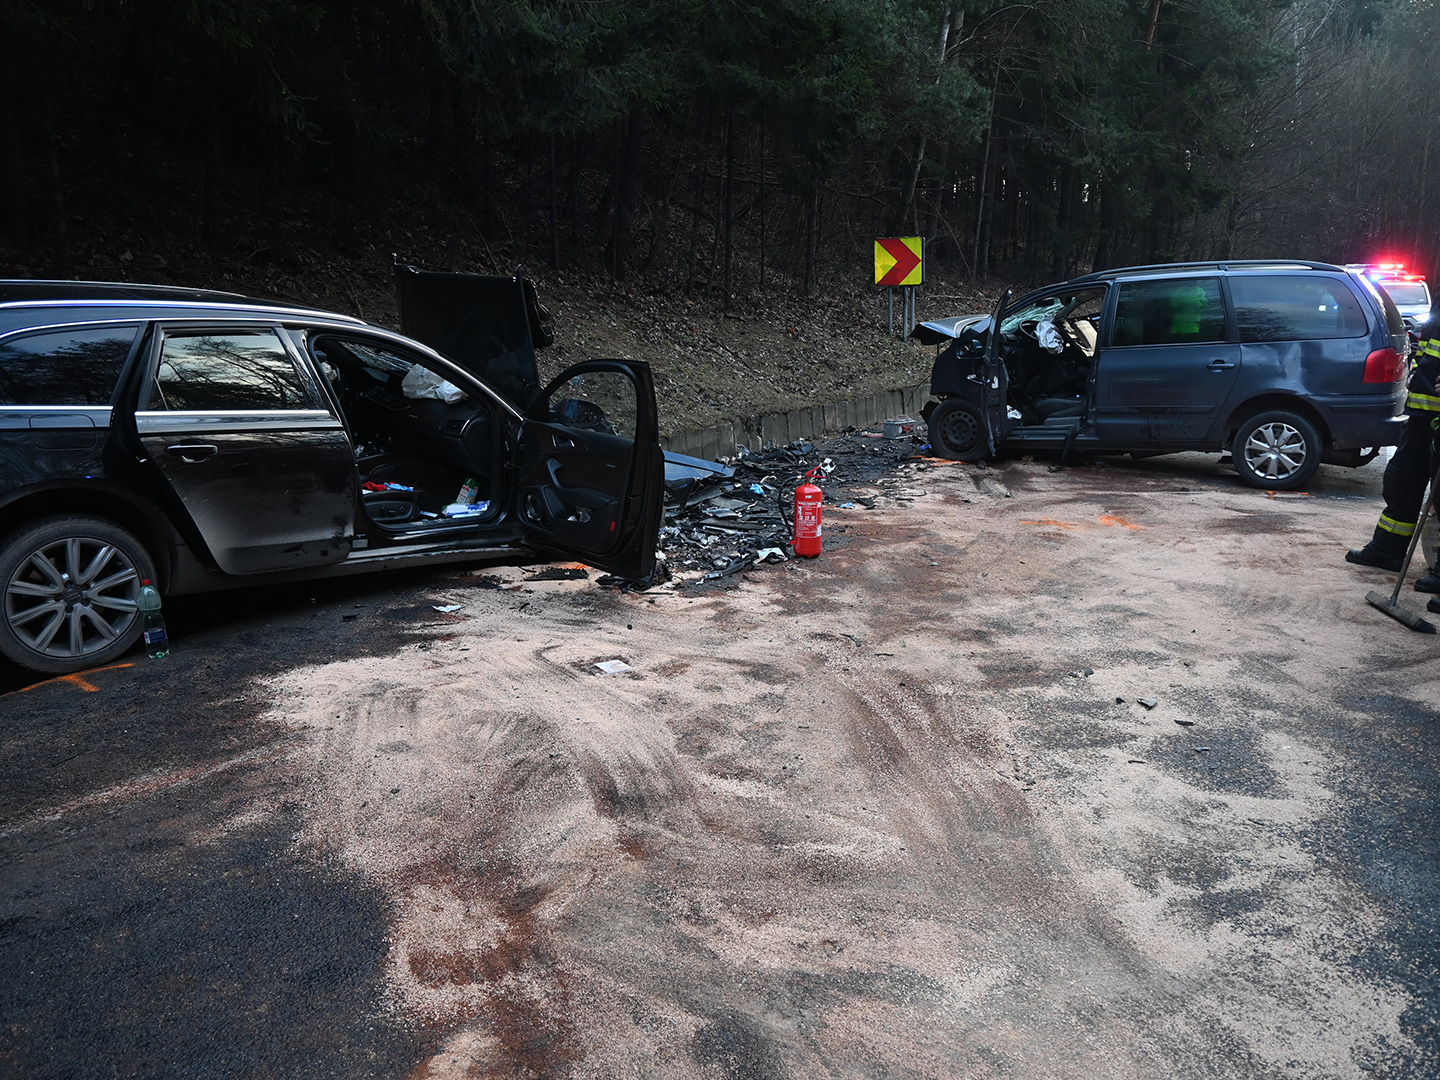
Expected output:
{"points": [[591, 471], [266, 492], [1169, 366], [235, 431], [1148, 395], [995, 381]]}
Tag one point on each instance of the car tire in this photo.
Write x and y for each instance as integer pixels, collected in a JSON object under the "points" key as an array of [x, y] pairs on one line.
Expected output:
{"points": [[1276, 450], [957, 430], [68, 587]]}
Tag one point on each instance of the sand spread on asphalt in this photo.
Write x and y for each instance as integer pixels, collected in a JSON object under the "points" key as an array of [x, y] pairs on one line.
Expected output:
{"points": [[882, 814]]}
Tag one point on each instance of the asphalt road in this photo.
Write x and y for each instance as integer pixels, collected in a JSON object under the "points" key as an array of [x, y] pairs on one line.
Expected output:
{"points": [[897, 812]]}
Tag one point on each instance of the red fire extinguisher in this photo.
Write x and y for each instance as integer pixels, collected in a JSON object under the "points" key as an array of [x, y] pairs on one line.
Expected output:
{"points": [[807, 520]]}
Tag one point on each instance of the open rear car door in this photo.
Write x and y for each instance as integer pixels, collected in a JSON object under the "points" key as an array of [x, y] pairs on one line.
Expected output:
{"points": [[590, 469]]}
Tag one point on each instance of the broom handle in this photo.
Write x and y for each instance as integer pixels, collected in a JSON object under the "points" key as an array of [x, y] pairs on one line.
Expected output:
{"points": [[1415, 537]]}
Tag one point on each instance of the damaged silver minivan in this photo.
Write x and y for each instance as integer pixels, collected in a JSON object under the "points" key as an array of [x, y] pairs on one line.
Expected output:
{"points": [[1283, 364]]}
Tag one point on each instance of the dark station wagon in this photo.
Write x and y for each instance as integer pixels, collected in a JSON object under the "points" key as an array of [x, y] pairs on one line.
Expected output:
{"points": [[1283, 364], [206, 440]]}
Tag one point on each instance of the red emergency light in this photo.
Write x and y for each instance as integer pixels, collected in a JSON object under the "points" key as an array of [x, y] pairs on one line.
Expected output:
{"points": [[1389, 271]]}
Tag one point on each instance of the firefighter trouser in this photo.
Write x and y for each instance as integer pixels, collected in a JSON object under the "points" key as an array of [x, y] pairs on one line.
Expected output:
{"points": [[1410, 469]]}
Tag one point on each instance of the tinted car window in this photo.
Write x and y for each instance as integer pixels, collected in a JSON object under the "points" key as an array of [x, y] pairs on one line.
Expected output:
{"points": [[1295, 309], [247, 370], [69, 367], [1169, 312]]}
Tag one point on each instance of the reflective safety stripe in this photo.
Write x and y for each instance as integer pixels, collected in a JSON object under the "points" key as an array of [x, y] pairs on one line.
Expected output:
{"points": [[1422, 402], [1399, 528], [1429, 348]]}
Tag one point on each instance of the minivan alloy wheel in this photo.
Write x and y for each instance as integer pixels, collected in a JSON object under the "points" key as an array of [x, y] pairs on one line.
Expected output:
{"points": [[70, 589]]}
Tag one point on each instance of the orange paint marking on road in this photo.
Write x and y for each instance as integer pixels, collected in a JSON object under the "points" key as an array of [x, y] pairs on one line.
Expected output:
{"points": [[1111, 519], [77, 679], [1055, 524]]}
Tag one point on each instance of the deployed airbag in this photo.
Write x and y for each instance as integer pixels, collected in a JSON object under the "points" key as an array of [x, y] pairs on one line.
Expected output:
{"points": [[421, 382]]}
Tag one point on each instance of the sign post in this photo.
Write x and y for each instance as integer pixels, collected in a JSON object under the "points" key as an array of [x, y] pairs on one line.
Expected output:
{"points": [[899, 260]]}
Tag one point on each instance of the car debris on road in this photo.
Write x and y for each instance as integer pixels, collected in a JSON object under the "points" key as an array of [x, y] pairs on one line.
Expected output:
{"points": [[725, 517]]}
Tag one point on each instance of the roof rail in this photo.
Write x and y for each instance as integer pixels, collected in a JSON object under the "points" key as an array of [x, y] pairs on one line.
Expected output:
{"points": [[1225, 264]]}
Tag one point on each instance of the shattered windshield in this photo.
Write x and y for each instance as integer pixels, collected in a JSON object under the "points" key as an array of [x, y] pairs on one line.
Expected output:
{"points": [[1047, 308], [1077, 308]]}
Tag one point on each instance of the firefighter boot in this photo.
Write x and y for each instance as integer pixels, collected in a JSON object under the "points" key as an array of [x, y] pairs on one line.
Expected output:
{"points": [[1368, 556]]}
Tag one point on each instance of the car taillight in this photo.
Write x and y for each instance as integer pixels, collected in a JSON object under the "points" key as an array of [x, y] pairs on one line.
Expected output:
{"points": [[1384, 365]]}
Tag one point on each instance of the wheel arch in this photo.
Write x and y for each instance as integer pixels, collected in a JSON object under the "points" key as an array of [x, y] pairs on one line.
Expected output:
{"points": [[101, 502], [1286, 402]]}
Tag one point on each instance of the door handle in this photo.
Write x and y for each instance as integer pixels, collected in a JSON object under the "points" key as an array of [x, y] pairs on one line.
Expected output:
{"points": [[1220, 365], [192, 452]]}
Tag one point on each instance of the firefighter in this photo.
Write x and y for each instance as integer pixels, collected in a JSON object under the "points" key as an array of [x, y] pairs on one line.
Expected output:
{"points": [[1409, 470]]}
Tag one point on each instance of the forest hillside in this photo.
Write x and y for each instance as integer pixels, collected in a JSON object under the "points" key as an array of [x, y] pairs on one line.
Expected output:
{"points": [[706, 178]]}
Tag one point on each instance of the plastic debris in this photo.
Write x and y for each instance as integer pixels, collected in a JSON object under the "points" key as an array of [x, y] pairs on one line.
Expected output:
{"points": [[561, 573], [724, 518], [446, 609], [614, 667], [460, 510], [680, 469], [1148, 702]]}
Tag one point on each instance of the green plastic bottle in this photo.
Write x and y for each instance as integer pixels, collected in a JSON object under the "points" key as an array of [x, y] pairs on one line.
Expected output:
{"points": [[157, 642]]}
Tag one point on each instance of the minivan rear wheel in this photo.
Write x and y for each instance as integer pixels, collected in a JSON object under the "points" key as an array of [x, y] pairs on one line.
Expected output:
{"points": [[1276, 450], [68, 587]]}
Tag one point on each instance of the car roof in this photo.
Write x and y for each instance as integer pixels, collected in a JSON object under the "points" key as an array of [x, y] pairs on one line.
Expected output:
{"points": [[1160, 269], [121, 299]]}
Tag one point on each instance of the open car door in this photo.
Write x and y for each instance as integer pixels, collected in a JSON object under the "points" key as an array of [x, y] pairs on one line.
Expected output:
{"points": [[590, 468], [996, 380]]}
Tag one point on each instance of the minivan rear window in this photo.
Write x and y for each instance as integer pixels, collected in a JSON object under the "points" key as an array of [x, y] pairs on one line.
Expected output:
{"points": [[1295, 308], [64, 367]]}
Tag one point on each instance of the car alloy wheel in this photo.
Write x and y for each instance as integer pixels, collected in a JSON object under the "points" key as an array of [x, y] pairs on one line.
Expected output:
{"points": [[70, 589], [1277, 450]]}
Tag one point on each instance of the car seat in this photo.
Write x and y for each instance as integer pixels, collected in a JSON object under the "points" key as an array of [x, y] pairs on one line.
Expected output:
{"points": [[1047, 408], [391, 507]]}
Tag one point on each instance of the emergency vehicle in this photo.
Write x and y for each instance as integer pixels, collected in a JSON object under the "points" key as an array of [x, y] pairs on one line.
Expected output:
{"points": [[1409, 291]]}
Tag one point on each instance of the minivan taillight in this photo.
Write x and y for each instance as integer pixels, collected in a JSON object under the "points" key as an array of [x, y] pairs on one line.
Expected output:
{"points": [[1384, 365]]}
